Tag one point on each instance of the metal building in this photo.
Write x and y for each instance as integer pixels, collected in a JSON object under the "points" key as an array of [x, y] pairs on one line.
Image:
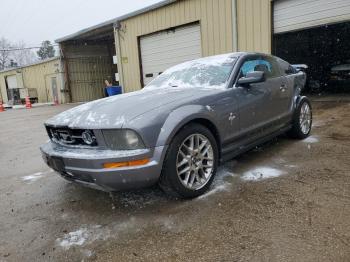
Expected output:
{"points": [[87, 57], [44, 79], [154, 38], [316, 33]]}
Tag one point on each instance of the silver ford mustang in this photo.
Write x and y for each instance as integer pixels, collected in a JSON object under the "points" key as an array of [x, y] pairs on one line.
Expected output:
{"points": [[177, 129]]}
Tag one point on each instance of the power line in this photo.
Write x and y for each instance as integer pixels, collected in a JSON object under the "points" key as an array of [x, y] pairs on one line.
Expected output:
{"points": [[23, 48]]}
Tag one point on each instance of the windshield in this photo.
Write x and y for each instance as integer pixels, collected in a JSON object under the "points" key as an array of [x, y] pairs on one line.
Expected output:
{"points": [[209, 72]]}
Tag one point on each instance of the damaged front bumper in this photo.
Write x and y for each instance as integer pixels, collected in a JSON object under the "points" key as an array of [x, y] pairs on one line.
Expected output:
{"points": [[86, 166]]}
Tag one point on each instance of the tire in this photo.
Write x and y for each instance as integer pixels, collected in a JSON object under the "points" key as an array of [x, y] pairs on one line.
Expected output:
{"points": [[181, 164], [299, 130]]}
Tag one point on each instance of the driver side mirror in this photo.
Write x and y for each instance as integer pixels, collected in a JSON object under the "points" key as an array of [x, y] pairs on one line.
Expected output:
{"points": [[251, 78]]}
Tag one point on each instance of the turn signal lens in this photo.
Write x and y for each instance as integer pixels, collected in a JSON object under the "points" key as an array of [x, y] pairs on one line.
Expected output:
{"points": [[124, 164]]}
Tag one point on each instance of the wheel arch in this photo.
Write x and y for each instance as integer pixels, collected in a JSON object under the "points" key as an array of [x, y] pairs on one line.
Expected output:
{"points": [[201, 121], [212, 128]]}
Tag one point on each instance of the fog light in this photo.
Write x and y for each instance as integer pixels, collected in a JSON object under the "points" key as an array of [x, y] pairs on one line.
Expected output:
{"points": [[128, 163], [88, 137]]}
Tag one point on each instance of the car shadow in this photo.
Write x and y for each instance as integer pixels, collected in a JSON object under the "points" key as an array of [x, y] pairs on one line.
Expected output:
{"points": [[149, 198]]}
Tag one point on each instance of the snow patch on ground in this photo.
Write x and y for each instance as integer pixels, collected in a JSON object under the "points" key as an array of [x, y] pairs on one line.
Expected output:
{"points": [[311, 139], [33, 177], [220, 182], [215, 189], [291, 166], [87, 234], [75, 238], [83, 235], [318, 123], [260, 173]]}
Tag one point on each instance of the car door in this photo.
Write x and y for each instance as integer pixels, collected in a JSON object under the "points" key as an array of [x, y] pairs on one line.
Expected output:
{"points": [[253, 100], [292, 82], [281, 90]]}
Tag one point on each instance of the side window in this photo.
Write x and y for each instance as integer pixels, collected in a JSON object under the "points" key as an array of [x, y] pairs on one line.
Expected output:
{"points": [[259, 64], [274, 67]]}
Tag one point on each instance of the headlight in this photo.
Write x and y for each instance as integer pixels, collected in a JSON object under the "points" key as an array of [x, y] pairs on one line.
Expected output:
{"points": [[122, 139]]}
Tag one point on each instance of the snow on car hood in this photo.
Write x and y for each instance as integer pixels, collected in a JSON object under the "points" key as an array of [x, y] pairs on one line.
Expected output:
{"points": [[113, 112]]}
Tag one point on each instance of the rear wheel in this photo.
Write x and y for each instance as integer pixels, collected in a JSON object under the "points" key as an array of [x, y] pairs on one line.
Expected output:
{"points": [[191, 162], [302, 120]]}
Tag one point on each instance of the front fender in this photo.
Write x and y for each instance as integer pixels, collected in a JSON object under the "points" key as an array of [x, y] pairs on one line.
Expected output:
{"points": [[180, 117]]}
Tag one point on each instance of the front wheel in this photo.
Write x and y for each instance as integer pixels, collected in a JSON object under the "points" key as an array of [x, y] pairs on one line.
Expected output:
{"points": [[302, 120], [191, 162]]}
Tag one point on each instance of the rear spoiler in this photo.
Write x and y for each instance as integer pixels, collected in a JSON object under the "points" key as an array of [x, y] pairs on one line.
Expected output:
{"points": [[300, 67]]}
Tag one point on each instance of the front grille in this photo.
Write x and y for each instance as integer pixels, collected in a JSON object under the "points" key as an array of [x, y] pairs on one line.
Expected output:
{"points": [[68, 136]]}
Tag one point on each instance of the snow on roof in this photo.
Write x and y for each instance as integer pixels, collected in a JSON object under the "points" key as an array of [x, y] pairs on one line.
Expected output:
{"points": [[343, 67]]}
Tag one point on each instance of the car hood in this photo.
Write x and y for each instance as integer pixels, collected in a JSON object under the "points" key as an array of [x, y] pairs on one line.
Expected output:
{"points": [[115, 111]]}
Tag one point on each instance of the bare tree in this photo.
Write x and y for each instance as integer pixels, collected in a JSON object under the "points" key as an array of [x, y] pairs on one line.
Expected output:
{"points": [[4, 53], [23, 56], [15, 54]]}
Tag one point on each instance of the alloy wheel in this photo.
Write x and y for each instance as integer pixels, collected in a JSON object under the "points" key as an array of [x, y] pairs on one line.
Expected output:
{"points": [[195, 161], [305, 118]]}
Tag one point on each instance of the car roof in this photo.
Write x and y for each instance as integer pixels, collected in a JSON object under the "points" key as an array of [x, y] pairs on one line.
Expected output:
{"points": [[343, 67]]}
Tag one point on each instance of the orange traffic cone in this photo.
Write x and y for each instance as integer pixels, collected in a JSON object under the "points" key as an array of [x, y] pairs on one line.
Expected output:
{"points": [[28, 104], [55, 101], [2, 109]]}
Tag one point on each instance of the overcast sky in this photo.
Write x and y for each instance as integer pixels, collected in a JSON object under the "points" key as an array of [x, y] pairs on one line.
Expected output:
{"points": [[36, 20]]}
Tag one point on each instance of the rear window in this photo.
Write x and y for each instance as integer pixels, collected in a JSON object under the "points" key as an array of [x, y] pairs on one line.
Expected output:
{"points": [[286, 68]]}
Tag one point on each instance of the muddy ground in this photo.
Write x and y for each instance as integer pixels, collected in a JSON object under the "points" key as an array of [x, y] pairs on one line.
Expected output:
{"points": [[288, 200]]}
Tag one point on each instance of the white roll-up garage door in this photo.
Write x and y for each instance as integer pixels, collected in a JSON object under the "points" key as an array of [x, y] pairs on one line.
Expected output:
{"points": [[290, 15], [11, 82], [167, 48]]}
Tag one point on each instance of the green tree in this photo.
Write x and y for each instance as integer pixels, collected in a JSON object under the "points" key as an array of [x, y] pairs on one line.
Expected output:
{"points": [[46, 50]]}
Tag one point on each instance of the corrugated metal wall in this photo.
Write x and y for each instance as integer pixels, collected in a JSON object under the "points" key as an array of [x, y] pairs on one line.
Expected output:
{"points": [[254, 25], [291, 15], [214, 16], [36, 76], [88, 66]]}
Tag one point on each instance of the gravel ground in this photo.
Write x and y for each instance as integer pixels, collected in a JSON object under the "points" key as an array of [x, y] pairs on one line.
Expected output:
{"points": [[288, 200]]}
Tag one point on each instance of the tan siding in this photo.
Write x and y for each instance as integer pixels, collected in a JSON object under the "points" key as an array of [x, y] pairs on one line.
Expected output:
{"points": [[216, 31], [254, 25], [215, 18], [37, 76]]}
